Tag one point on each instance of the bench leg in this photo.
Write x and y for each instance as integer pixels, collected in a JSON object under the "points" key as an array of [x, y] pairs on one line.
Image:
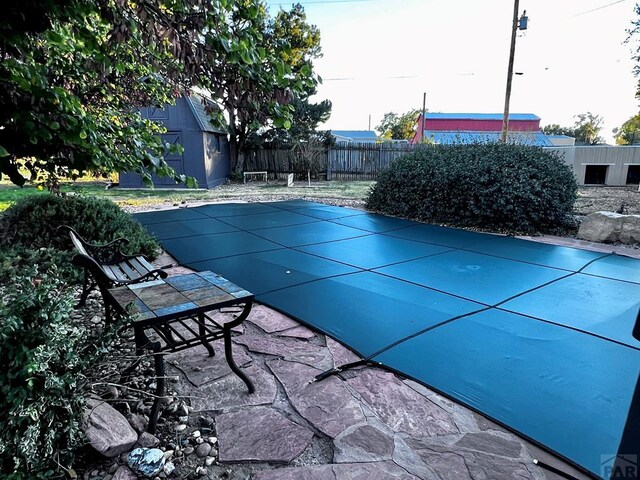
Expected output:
{"points": [[86, 289]]}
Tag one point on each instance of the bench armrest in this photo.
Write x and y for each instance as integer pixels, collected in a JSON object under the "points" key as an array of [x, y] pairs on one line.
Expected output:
{"points": [[106, 253]]}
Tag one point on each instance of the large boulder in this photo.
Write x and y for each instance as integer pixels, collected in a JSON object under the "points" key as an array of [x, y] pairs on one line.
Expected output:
{"points": [[107, 430], [609, 227]]}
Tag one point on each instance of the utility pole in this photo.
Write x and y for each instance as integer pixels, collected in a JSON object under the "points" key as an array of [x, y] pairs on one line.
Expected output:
{"points": [[522, 25], [424, 110]]}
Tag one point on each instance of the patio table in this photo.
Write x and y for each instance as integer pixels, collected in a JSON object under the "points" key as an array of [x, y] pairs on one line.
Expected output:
{"points": [[175, 310]]}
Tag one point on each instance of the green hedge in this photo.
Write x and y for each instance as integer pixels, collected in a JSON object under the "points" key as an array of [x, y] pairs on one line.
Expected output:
{"points": [[32, 222], [500, 187]]}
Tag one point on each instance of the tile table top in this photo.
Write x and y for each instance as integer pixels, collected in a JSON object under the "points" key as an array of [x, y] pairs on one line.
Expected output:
{"points": [[181, 294]]}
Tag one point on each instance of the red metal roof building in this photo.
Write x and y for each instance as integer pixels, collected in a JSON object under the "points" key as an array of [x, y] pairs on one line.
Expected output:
{"points": [[478, 127]]}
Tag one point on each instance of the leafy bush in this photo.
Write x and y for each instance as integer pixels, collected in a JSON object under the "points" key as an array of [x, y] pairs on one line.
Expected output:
{"points": [[501, 187], [33, 220], [45, 357], [19, 259]]}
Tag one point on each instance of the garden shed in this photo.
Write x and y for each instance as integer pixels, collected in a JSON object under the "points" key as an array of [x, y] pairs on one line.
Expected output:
{"points": [[206, 148]]}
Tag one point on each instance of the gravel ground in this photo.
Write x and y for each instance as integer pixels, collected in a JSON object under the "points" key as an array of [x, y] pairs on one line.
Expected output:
{"points": [[596, 199], [590, 199]]}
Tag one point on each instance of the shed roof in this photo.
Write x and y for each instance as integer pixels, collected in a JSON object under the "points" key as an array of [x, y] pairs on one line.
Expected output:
{"points": [[479, 116], [356, 134], [450, 137], [197, 105]]}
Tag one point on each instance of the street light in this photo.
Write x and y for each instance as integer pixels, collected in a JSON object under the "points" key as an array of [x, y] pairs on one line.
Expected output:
{"points": [[518, 24]]}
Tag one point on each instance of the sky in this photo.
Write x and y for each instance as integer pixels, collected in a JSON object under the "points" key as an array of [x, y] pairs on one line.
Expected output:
{"points": [[381, 56]]}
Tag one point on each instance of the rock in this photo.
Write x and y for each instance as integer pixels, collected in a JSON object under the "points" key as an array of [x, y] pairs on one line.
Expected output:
{"points": [[188, 450], [209, 461], [146, 461], [96, 319], [146, 440], [609, 227], [138, 422], [196, 434], [260, 434], [181, 428], [124, 473], [201, 471], [168, 468], [168, 454], [203, 450], [107, 430]]}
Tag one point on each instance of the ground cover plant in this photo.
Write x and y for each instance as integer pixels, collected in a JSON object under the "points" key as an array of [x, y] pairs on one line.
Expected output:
{"points": [[498, 187], [47, 362]]}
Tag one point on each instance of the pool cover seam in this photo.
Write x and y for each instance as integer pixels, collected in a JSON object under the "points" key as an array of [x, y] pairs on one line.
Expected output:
{"points": [[490, 307]]}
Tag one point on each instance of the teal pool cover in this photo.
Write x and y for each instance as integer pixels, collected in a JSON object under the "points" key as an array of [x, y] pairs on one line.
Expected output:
{"points": [[535, 336]]}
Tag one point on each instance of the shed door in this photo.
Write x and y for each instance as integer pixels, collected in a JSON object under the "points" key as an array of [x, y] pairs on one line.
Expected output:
{"points": [[174, 160]]}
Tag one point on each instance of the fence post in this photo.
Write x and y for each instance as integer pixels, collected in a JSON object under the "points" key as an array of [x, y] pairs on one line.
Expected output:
{"points": [[328, 163]]}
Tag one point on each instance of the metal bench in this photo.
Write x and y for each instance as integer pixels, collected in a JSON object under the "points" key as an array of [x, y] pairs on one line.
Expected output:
{"points": [[253, 174], [105, 266]]}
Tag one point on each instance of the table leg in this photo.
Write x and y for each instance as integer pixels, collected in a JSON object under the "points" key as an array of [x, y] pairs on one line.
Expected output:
{"points": [[203, 333], [158, 359], [228, 353]]}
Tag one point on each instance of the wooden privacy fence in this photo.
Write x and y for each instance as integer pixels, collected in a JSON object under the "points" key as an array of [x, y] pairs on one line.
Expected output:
{"points": [[352, 161]]}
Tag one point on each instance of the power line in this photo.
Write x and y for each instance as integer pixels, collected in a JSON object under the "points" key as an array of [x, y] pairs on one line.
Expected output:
{"points": [[597, 8]]}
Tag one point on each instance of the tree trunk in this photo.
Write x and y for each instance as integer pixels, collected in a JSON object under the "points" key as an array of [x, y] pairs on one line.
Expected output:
{"points": [[233, 140]]}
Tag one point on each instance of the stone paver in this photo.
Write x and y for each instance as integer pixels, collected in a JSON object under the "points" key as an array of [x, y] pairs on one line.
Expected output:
{"points": [[200, 368], [280, 347], [327, 405], [400, 407], [341, 355], [363, 443], [229, 391], [298, 332], [260, 434], [269, 320], [493, 444], [451, 461], [345, 471]]}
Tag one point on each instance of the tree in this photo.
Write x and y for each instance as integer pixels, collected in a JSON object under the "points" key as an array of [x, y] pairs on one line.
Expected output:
{"points": [[555, 129], [74, 74], [588, 127], [629, 132], [399, 127], [255, 89]]}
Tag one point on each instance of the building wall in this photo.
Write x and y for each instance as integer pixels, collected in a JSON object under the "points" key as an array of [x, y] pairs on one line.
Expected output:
{"points": [[616, 159], [216, 150], [209, 168], [481, 125]]}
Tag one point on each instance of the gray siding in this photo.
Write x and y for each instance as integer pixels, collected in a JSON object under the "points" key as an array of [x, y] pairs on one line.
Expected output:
{"points": [[204, 156], [617, 160]]}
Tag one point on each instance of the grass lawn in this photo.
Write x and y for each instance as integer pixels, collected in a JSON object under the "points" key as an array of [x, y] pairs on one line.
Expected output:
{"points": [[251, 192]]}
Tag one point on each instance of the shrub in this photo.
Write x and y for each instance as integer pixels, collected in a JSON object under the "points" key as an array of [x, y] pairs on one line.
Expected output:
{"points": [[45, 357], [19, 259], [32, 222], [501, 187]]}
